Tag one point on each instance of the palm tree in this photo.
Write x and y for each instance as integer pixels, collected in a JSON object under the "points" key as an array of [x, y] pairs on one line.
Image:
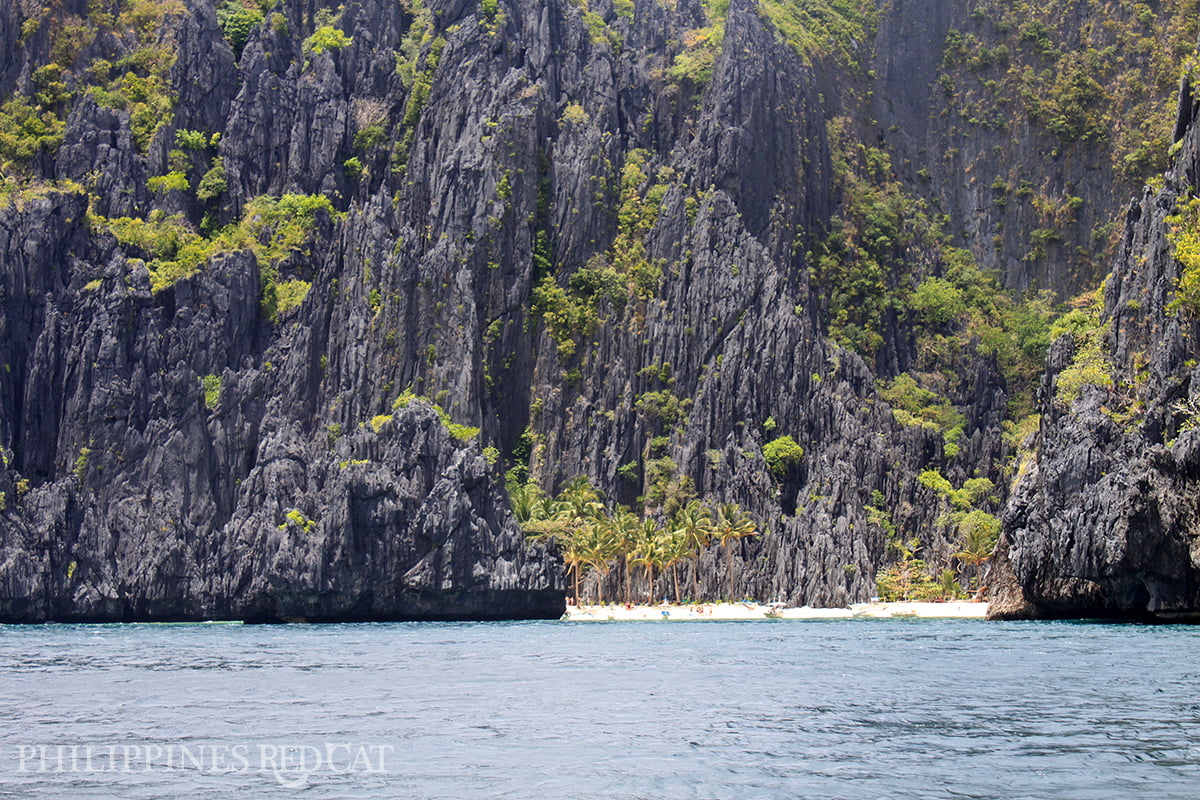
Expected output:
{"points": [[980, 531], [625, 527], [598, 545], [548, 518], [565, 519], [579, 495], [525, 501], [732, 523], [647, 552], [673, 547], [574, 557], [694, 521], [948, 586], [540, 515]]}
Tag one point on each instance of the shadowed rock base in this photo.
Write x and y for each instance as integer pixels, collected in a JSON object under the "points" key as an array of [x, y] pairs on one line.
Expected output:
{"points": [[298, 608], [402, 523]]}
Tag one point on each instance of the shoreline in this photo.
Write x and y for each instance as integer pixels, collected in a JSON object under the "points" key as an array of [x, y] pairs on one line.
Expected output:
{"points": [[701, 612]]}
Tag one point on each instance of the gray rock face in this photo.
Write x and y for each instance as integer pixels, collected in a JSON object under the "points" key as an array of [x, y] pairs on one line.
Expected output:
{"points": [[136, 501], [1104, 523], [500, 143], [469, 159], [390, 526]]}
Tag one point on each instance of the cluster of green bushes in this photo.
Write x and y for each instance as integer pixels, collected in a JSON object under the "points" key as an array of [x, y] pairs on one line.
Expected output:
{"points": [[1090, 365], [326, 38], [239, 18], [417, 39], [35, 124], [599, 31], [416, 63], [573, 313], [212, 390], [694, 63], [1184, 234], [1070, 104], [662, 406], [781, 454], [841, 29], [463, 433], [192, 162], [971, 494], [171, 247], [595, 537], [294, 518], [27, 129], [836, 29], [908, 579], [491, 16], [916, 406], [640, 203], [270, 227], [131, 48], [140, 81], [147, 98], [212, 184]]}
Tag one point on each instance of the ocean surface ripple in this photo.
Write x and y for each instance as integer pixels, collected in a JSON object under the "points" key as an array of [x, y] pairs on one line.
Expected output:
{"points": [[619, 711]]}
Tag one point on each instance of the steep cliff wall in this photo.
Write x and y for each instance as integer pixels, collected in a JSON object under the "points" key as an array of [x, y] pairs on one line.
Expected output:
{"points": [[637, 242], [170, 451], [1103, 522], [1031, 124], [136, 491], [477, 160]]}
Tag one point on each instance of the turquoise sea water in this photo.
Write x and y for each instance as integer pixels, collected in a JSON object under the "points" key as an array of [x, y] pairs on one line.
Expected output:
{"points": [[838, 709]]}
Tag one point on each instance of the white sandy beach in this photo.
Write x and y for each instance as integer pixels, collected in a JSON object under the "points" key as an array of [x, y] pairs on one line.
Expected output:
{"points": [[753, 611]]}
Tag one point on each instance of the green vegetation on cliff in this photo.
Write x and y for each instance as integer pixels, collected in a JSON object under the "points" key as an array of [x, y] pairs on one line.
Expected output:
{"points": [[1090, 365], [841, 29], [1109, 82], [614, 282], [1184, 235], [886, 266], [273, 228], [120, 53], [908, 576]]}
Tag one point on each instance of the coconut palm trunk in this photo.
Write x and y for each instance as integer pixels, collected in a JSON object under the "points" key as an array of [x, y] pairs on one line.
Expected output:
{"points": [[729, 571], [626, 576]]}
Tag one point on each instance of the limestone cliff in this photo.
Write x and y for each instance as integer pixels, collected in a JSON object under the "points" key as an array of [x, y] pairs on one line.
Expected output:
{"points": [[288, 287], [1103, 521]]}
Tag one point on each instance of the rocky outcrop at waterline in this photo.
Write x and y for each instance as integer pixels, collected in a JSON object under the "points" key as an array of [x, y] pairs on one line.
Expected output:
{"points": [[397, 523], [1105, 520]]}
